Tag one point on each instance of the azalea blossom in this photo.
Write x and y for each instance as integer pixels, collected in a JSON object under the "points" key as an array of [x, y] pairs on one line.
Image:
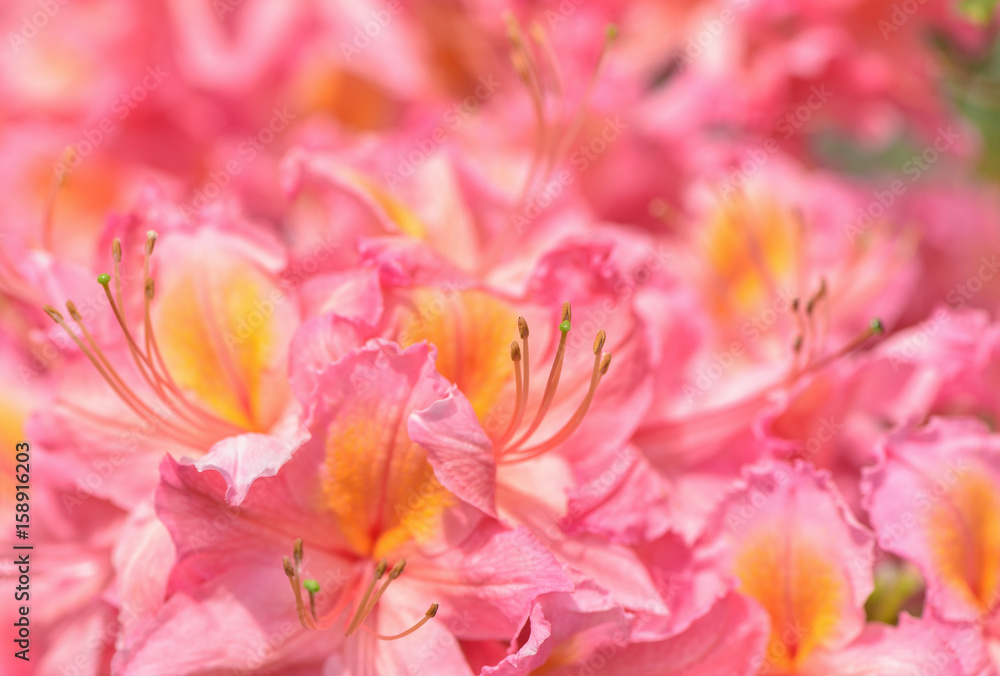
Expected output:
{"points": [[499, 338]]}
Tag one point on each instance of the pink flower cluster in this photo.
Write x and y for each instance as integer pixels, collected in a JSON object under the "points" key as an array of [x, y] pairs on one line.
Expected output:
{"points": [[499, 338]]}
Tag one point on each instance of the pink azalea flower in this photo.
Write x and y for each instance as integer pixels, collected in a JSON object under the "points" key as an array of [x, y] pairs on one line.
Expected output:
{"points": [[359, 508], [571, 634], [930, 502], [179, 354]]}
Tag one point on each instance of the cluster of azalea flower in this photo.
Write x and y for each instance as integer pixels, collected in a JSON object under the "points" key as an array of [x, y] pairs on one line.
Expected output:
{"points": [[483, 338]]}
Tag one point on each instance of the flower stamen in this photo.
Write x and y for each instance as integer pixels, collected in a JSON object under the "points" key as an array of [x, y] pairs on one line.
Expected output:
{"points": [[205, 428], [553, 381], [308, 616], [515, 452], [362, 610]]}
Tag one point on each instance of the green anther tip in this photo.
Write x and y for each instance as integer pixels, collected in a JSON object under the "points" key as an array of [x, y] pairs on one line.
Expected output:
{"points": [[312, 586], [876, 326], [611, 31], [564, 326], [103, 278]]}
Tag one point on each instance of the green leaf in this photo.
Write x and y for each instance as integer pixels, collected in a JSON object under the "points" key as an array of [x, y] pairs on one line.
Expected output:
{"points": [[978, 10]]}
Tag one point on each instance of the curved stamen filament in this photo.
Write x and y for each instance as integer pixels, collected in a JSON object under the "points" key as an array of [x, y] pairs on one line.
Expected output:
{"points": [[576, 124], [601, 365], [515, 356], [361, 612], [875, 328], [811, 319], [203, 427], [431, 612], [522, 374], [152, 377], [307, 613], [514, 452], [124, 393], [553, 382], [528, 72], [143, 365], [58, 181]]}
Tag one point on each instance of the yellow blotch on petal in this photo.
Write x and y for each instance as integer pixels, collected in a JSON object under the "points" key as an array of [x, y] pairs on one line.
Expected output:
{"points": [[224, 340], [964, 534], [472, 331], [397, 212], [750, 245], [798, 585], [12, 417], [566, 654], [380, 484]]}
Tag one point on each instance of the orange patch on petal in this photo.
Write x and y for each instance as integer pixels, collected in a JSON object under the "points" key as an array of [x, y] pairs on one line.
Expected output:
{"points": [[12, 417], [566, 654], [380, 484], [798, 585], [964, 534], [472, 331], [751, 246], [356, 101], [224, 340]]}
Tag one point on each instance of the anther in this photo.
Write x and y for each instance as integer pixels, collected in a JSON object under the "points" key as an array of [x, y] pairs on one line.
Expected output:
{"points": [[876, 326], [522, 327], [820, 294], [297, 551], [150, 241], [514, 452], [515, 351], [599, 341], [54, 313], [197, 426], [366, 606]]}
